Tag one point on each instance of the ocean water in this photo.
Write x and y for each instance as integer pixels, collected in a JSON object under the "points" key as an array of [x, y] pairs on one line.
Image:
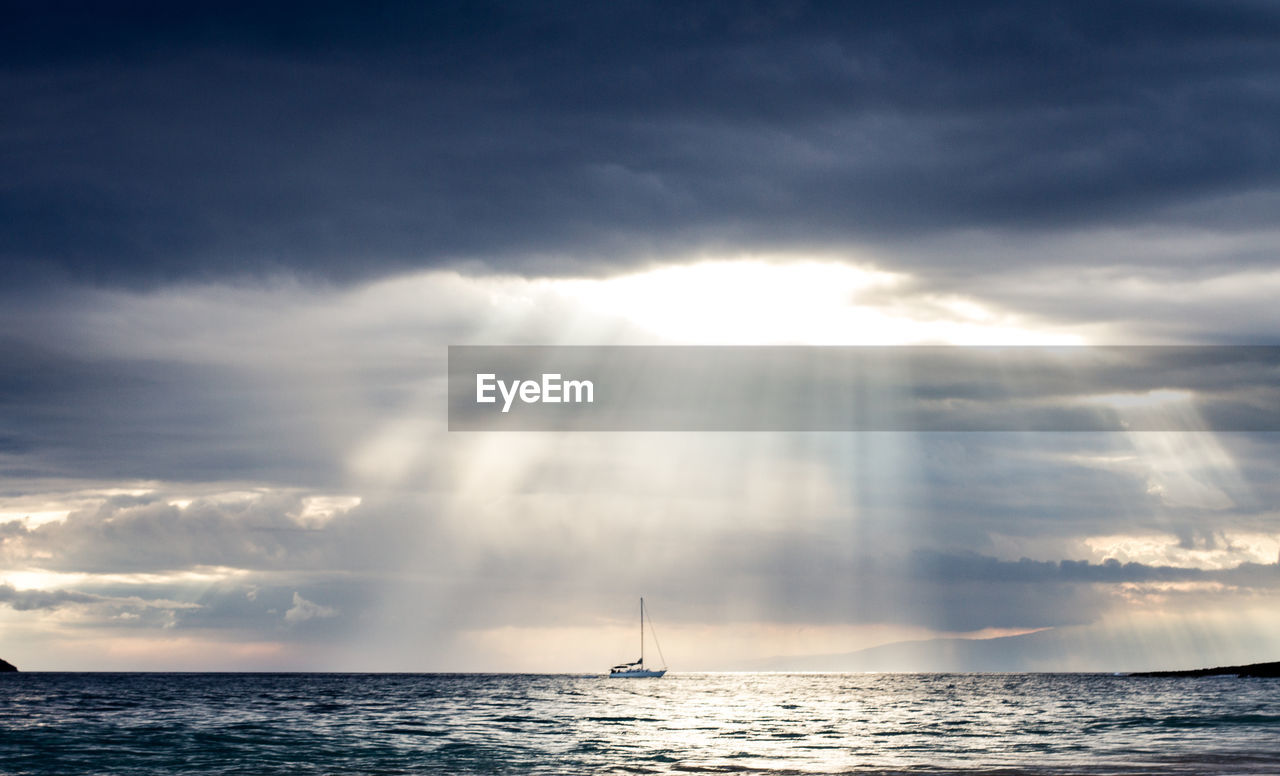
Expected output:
{"points": [[91, 723]]}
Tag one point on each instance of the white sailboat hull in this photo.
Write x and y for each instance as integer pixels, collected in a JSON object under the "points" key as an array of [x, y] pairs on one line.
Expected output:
{"points": [[635, 669], [640, 674]]}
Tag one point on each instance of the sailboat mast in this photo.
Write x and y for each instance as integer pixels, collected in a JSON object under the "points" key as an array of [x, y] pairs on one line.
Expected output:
{"points": [[642, 632]]}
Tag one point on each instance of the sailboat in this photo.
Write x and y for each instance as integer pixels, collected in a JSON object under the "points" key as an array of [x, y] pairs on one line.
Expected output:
{"points": [[637, 669]]}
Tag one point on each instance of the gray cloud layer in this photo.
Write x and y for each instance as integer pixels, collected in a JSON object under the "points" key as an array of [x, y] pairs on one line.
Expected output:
{"points": [[266, 533], [317, 579], [25, 600], [207, 140]]}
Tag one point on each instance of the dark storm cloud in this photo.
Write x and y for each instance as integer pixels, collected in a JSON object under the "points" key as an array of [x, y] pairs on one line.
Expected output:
{"points": [[156, 141]]}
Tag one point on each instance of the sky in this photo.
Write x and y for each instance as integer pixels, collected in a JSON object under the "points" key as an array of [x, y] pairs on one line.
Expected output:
{"points": [[238, 241]]}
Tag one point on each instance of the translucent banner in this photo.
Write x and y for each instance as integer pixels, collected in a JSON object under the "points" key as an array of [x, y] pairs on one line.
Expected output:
{"points": [[555, 388]]}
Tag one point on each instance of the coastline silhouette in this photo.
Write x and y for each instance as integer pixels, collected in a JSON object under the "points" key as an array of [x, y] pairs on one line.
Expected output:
{"points": [[1253, 670]]}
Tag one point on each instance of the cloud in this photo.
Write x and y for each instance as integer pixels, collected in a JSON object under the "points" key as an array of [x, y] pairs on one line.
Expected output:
{"points": [[26, 600], [204, 144], [85, 608], [237, 531], [829, 530], [302, 386], [303, 610], [249, 403], [791, 553]]}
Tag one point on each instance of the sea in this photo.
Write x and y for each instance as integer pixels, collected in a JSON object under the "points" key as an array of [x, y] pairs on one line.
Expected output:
{"points": [[730, 723]]}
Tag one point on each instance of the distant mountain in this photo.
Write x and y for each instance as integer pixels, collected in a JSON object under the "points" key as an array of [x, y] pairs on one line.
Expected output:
{"points": [[6, 666], [1028, 652], [1058, 649]]}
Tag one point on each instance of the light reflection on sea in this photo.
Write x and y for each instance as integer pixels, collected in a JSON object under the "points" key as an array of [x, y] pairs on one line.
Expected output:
{"points": [[683, 723]]}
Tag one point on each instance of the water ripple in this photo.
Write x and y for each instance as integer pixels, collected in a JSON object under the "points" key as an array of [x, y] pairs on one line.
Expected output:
{"points": [[267, 724]]}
